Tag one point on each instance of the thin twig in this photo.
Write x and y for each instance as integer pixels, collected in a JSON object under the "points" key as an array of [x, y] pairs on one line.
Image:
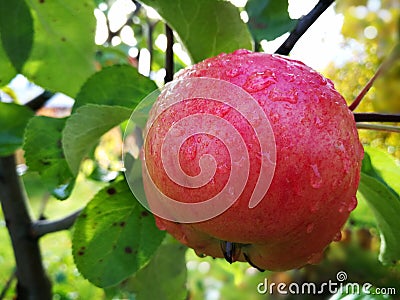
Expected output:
{"points": [[387, 63], [302, 25], [42, 227], [8, 285], [376, 117], [169, 54], [150, 30], [379, 127], [39, 101]]}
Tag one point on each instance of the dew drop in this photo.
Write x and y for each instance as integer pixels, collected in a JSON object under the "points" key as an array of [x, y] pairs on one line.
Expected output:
{"points": [[310, 228], [241, 52], [318, 122], [259, 81], [274, 117], [231, 190], [233, 72], [337, 237], [346, 165], [315, 179], [342, 207], [291, 77], [223, 168], [339, 147], [352, 204], [190, 152]]}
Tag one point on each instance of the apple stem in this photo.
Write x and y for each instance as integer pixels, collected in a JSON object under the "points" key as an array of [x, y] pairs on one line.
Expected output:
{"points": [[387, 63]]}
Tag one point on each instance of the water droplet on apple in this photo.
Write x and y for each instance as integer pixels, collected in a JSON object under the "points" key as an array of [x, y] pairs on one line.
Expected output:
{"points": [[274, 117], [310, 228], [241, 52], [342, 207], [223, 168], [291, 77], [233, 72], [346, 165], [339, 147], [231, 190], [352, 204], [337, 237], [190, 152], [318, 122], [315, 177], [259, 81]]}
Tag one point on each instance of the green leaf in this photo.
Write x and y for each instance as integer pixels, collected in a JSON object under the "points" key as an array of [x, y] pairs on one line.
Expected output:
{"points": [[13, 120], [44, 154], [385, 204], [8, 71], [114, 236], [206, 28], [164, 278], [385, 166], [268, 19], [117, 85], [63, 53], [84, 128], [16, 29]]}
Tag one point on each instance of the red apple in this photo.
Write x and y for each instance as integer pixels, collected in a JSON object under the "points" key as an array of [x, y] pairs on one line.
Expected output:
{"points": [[316, 170]]}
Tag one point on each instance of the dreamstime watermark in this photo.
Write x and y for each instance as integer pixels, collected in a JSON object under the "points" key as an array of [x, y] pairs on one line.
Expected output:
{"points": [[165, 132], [330, 287]]}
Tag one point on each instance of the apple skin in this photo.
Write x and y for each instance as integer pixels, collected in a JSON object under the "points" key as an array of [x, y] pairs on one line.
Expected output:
{"points": [[317, 165]]}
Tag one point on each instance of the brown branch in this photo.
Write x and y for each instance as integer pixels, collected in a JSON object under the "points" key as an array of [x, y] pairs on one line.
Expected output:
{"points": [[42, 227], [387, 63], [33, 282], [379, 127], [376, 117], [169, 54], [39, 101], [302, 26]]}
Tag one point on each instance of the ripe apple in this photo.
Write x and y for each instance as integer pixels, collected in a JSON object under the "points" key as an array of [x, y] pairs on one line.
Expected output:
{"points": [[316, 170]]}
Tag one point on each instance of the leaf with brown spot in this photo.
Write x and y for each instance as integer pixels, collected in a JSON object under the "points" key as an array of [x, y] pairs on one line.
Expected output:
{"points": [[108, 237]]}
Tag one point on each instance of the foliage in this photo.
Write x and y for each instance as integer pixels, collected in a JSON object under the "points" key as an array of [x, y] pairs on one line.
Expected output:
{"points": [[374, 29], [116, 244]]}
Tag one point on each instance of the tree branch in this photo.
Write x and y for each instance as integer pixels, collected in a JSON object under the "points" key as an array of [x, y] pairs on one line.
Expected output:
{"points": [[387, 63], [33, 282], [42, 227], [302, 25], [376, 117], [379, 127], [39, 101], [169, 54]]}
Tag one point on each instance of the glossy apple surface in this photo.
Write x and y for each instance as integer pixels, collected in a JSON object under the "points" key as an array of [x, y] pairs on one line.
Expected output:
{"points": [[318, 161]]}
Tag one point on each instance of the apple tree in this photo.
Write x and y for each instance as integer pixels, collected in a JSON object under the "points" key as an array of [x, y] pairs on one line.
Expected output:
{"points": [[139, 46]]}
